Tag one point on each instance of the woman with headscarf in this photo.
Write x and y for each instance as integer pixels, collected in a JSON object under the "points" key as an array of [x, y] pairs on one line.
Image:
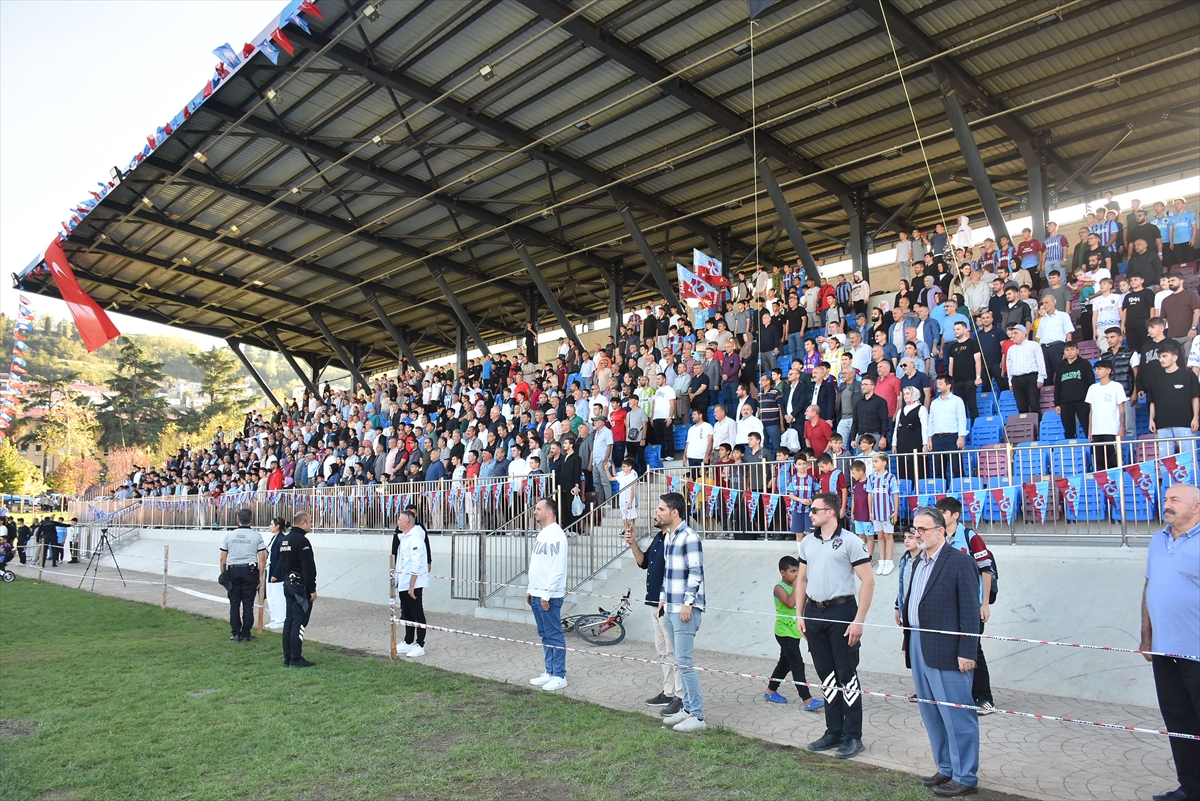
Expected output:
{"points": [[910, 434]]}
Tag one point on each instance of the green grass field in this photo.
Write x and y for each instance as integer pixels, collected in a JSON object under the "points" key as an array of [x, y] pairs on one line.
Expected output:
{"points": [[109, 699]]}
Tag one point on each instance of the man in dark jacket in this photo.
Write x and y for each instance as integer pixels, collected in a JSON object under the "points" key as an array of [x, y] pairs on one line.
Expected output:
{"points": [[871, 416], [1071, 381], [300, 587], [942, 593]]}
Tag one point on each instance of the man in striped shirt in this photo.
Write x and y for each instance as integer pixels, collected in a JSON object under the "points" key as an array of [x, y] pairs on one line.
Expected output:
{"points": [[1055, 252], [682, 604]]}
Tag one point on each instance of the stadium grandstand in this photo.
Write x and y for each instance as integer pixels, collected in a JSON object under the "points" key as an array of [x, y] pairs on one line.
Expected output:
{"points": [[508, 218]]}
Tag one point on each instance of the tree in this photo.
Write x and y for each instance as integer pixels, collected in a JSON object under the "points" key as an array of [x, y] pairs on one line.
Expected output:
{"points": [[70, 430], [76, 476], [121, 461], [221, 381], [136, 414], [18, 476]]}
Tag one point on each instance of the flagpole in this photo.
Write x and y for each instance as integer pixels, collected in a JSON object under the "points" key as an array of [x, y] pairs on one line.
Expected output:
{"points": [[1121, 492]]}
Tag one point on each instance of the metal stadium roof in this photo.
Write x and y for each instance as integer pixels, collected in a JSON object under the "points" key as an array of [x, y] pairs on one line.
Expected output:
{"points": [[424, 166]]}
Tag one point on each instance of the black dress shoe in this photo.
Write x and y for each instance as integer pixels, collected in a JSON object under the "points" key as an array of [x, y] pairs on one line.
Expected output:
{"points": [[1178, 794], [934, 780], [247, 637], [849, 748], [826, 743], [952, 789], [236, 638], [301, 663]]}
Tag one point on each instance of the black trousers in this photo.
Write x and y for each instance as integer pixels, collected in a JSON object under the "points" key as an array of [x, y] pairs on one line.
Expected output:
{"points": [[663, 436], [243, 588], [299, 610], [1105, 456], [941, 444], [981, 681], [413, 609], [1178, 685], [790, 661], [966, 391], [837, 667], [993, 372], [1027, 394], [1072, 411], [21, 549], [1052, 353], [637, 452]]}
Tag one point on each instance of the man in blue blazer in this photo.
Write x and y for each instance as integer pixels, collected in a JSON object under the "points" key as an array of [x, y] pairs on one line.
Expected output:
{"points": [[943, 594]]}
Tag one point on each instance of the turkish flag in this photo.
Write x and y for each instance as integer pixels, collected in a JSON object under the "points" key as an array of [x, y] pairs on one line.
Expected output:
{"points": [[95, 328]]}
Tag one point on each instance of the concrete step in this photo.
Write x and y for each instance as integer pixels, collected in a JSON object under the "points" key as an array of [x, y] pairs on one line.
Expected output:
{"points": [[522, 615]]}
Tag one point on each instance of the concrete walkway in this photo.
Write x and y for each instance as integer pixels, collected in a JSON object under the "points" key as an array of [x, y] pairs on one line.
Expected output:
{"points": [[1038, 759]]}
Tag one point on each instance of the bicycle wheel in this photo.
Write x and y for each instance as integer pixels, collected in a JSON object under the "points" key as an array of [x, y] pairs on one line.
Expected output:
{"points": [[9, 575], [568, 624], [600, 629]]}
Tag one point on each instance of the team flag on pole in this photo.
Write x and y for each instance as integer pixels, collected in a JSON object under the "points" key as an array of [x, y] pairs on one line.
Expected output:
{"points": [[692, 287], [708, 269]]}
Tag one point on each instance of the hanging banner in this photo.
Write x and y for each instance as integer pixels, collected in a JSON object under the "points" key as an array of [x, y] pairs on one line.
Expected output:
{"points": [[1109, 482], [708, 269], [770, 504], [1038, 494], [752, 503], [973, 504], [731, 496], [1144, 475], [1070, 488], [1180, 468], [714, 497], [95, 328], [1004, 499]]}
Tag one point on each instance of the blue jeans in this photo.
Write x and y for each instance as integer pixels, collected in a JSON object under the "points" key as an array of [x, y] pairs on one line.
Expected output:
{"points": [[953, 733], [549, 626], [795, 346], [683, 636], [729, 396], [771, 435]]}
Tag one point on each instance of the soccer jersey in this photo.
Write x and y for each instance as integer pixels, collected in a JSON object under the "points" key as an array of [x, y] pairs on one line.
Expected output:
{"points": [[1182, 226], [882, 490], [860, 505], [1056, 247]]}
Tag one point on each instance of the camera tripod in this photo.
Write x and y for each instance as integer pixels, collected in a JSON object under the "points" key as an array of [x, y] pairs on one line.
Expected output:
{"points": [[93, 564]]}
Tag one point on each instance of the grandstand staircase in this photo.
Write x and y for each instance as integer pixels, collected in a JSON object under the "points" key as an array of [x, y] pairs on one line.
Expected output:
{"points": [[596, 552]]}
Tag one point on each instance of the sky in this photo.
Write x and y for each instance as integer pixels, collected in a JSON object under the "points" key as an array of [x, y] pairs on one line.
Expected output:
{"points": [[81, 85]]}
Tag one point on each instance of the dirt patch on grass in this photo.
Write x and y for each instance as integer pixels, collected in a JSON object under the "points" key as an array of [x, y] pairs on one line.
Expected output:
{"points": [[201, 693], [10, 728], [64, 794]]}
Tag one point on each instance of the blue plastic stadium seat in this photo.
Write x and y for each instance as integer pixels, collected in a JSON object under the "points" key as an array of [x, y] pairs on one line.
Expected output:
{"points": [[985, 431], [654, 456], [966, 484], [712, 415], [784, 363], [986, 403], [1007, 402], [991, 510], [931, 486], [1136, 506], [1070, 458], [1029, 461], [681, 436]]}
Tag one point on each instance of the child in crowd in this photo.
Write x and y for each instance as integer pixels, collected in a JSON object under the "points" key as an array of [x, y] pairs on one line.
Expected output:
{"points": [[842, 458], [860, 502], [830, 479], [799, 494], [883, 489], [866, 448], [626, 491], [787, 634]]}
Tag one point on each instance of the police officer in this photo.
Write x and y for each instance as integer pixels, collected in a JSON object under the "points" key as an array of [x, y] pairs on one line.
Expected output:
{"points": [[300, 588], [244, 556], [830, 558]]}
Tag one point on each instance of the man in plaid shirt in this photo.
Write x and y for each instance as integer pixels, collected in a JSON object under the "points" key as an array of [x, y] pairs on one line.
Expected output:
{"points": [[682, 604]]}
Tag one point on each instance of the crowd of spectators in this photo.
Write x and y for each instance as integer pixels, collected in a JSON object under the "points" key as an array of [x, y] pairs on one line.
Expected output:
{"points": [[789, 365]]}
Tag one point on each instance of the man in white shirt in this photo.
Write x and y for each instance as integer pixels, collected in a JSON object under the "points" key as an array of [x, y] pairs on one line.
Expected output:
{"points": [[947, 427], [547, 586], [860, 353], [746, 424], [904, 252], [661, 415], [1026, 368], [1106, 422], [412, 577], [699, 441], [1054, 330], [1106, 310], [602, 443], [725, 429]]}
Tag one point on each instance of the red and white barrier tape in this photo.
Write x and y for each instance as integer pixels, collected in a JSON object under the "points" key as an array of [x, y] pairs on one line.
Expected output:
{"points": [[741, 674], [1001, 638]]}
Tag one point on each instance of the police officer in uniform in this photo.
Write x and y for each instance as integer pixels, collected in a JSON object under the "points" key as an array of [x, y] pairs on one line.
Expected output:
{"points": [[244, 556], [299, 586], [830, 558]]}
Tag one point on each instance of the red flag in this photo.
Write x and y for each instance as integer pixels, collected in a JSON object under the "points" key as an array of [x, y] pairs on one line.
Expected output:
{"points": [[95, 328], [283, 41], [222, 70], [309, 7], [208, 90], [247, 50]]}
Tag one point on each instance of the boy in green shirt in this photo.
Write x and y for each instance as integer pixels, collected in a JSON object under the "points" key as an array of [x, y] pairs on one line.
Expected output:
{"points": [[787, 634]]}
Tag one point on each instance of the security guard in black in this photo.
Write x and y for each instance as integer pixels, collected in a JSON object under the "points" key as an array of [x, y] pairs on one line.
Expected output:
{"points": [[300, 588]]}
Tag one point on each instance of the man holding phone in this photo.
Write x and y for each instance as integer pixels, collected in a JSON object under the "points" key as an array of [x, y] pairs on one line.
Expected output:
{"points": [[654, 562]]}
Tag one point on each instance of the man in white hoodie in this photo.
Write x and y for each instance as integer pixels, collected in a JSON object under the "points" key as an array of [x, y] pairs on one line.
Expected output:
{"points": [[547, 586], [412, 577]]}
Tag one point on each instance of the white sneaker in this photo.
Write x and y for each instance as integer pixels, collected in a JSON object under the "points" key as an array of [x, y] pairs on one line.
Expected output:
{"points": [[690, 724], [416, 651], [677, 718], [556, 683], [402, 648], [540, 680], [668, 458], [888, 567], [879, 568]]}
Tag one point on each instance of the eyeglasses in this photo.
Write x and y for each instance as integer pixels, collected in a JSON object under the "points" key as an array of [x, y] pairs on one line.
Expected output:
{"points": [[921, 530]]}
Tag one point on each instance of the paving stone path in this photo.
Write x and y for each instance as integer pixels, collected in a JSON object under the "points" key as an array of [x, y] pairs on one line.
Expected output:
{"points": [[1037, 759]]}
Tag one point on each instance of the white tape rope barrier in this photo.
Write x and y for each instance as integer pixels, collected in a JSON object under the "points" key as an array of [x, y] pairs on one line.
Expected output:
{"points": [[740, 674]]}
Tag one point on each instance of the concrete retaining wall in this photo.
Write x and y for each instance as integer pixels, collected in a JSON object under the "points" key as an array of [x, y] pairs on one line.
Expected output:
{"points": [[1088, 595]]}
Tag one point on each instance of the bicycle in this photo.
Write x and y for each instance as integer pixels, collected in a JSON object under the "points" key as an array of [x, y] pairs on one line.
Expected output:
{"points": [[606, 628]]}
